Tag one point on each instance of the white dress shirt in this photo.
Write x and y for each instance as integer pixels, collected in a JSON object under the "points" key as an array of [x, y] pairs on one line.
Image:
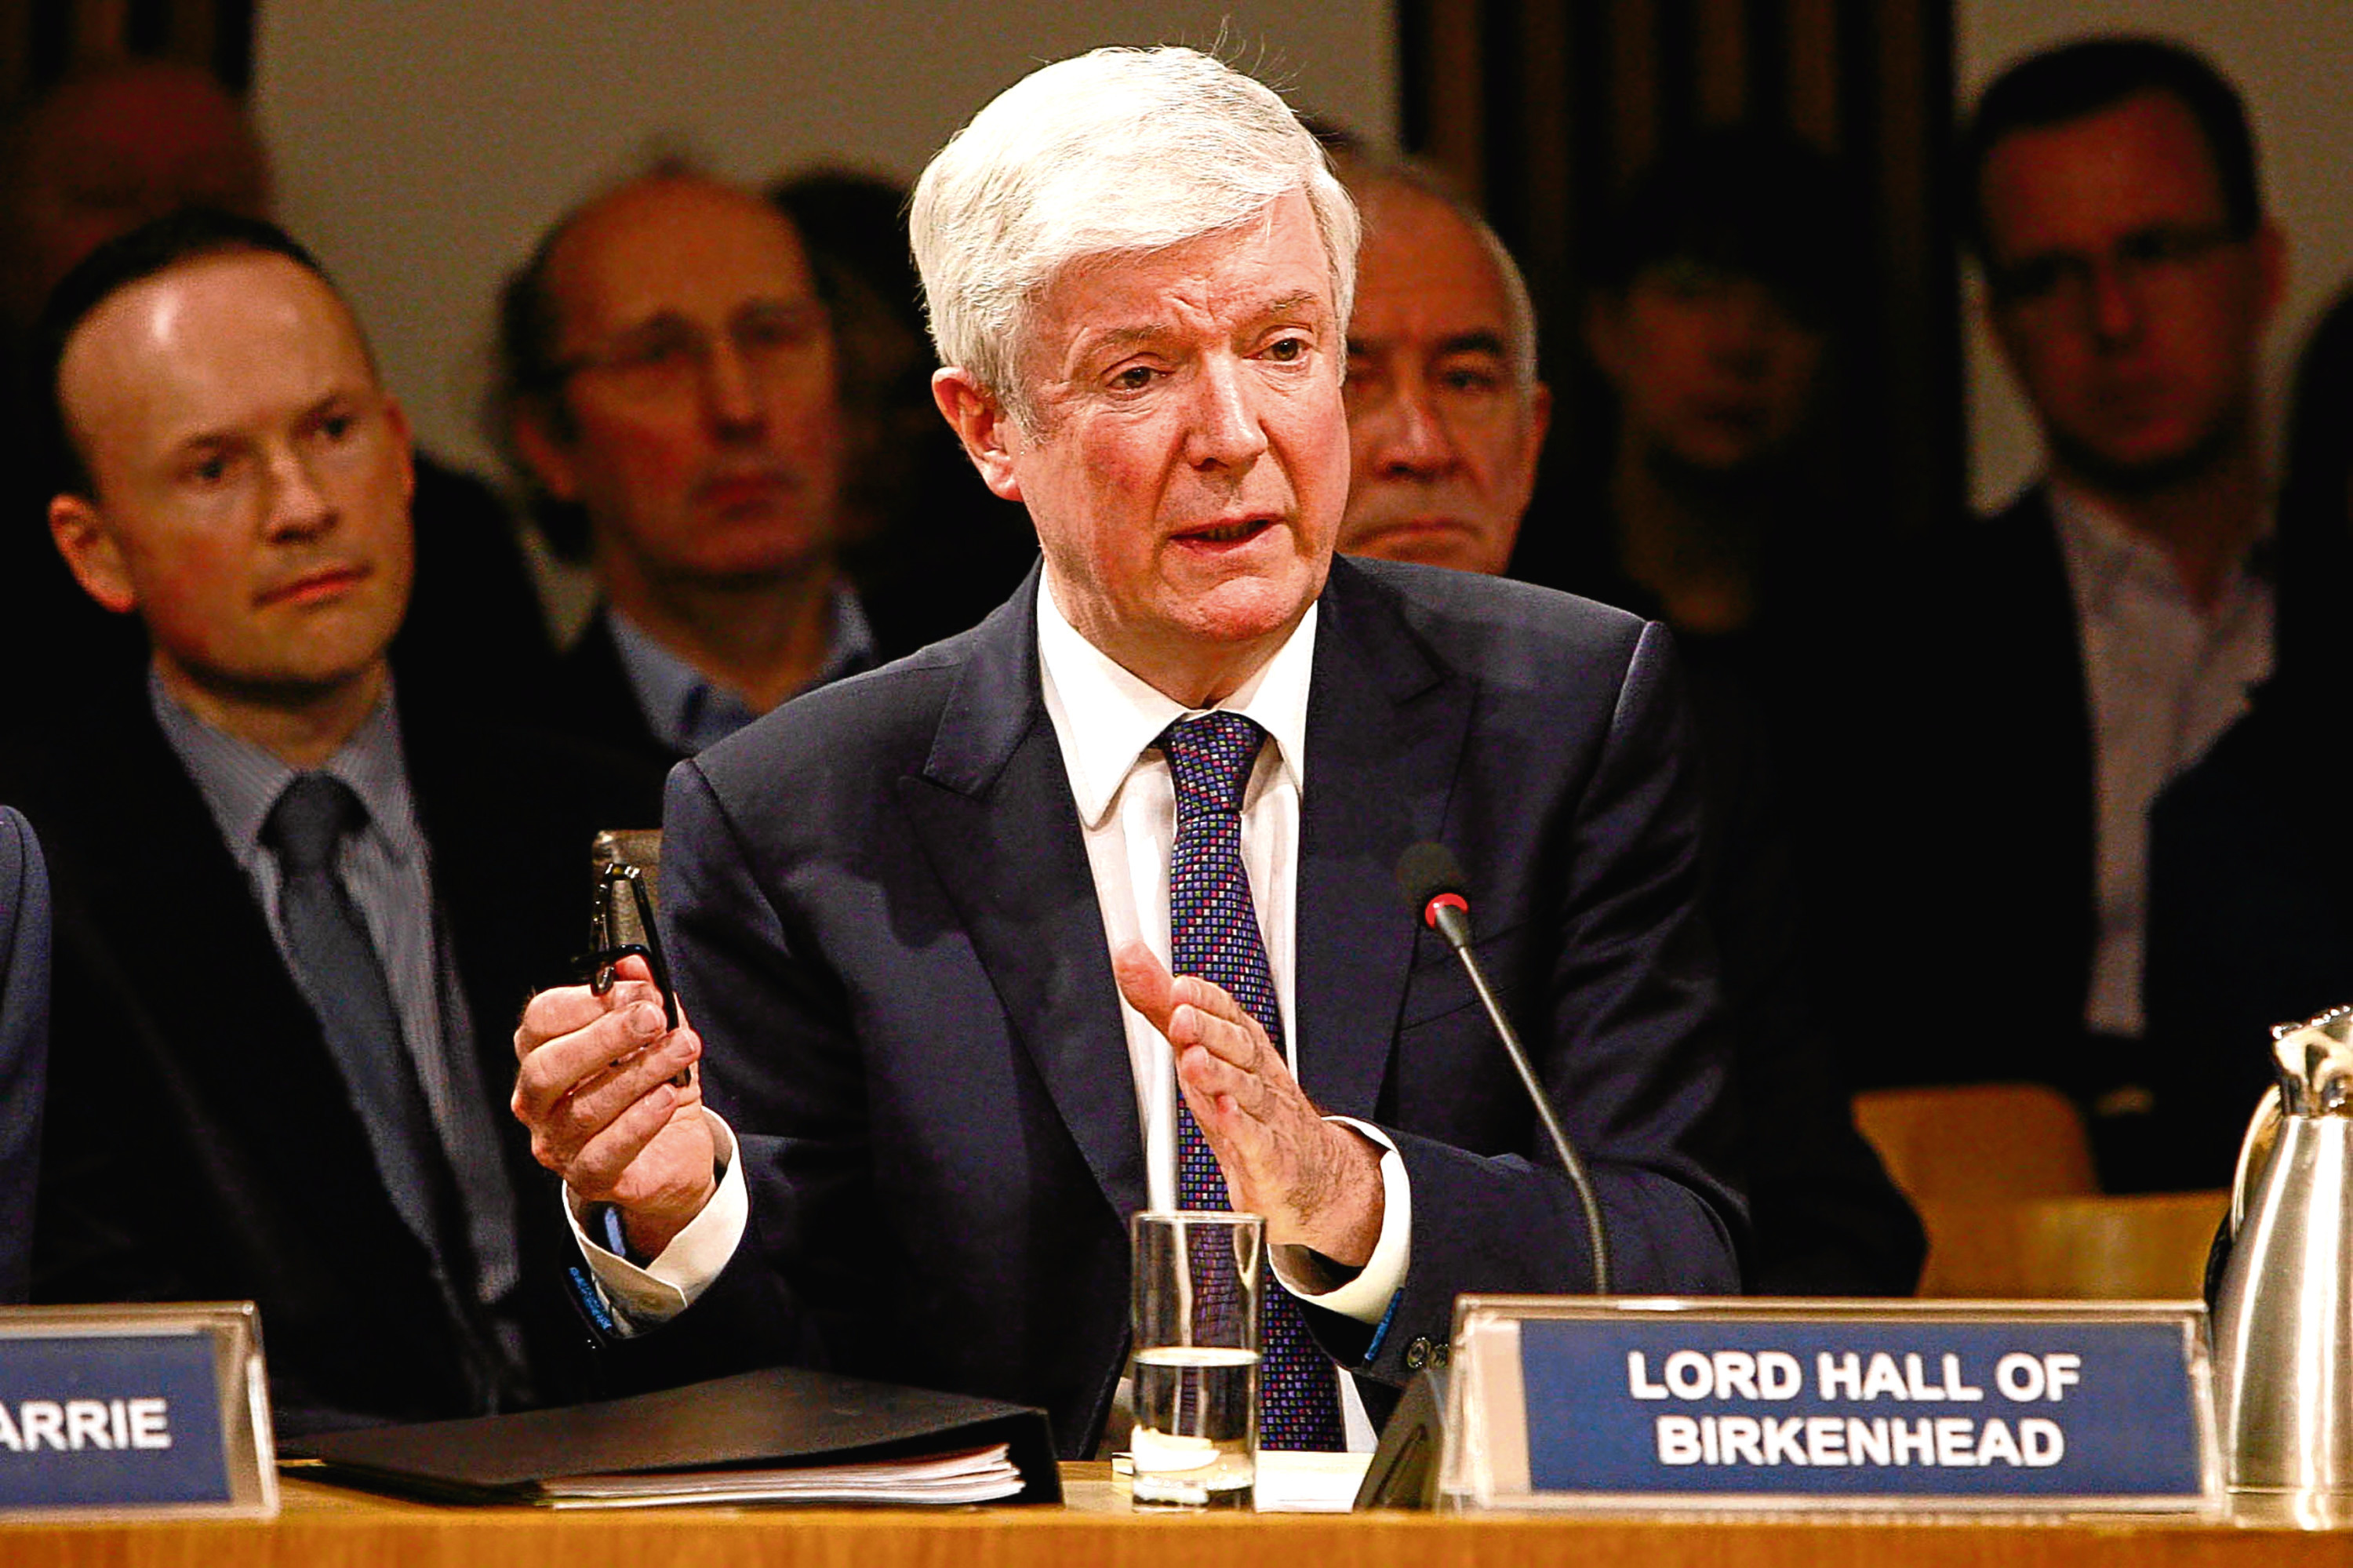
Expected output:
{"points": [[2165, 679], [1107, 723]]}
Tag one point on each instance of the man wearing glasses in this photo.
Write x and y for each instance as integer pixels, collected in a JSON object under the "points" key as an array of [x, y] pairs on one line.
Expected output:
{"points": [[667, 388], [2103, 630]]}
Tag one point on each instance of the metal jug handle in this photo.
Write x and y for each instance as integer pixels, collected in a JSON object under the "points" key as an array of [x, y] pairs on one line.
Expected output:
{"points": [[2255, 1153]]}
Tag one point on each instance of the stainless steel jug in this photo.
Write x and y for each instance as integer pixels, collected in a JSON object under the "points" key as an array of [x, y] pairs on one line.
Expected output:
{"points": [[2283, 1315]]}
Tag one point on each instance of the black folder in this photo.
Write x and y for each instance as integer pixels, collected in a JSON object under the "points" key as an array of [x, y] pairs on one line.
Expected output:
{"points": [[783, 1417]]}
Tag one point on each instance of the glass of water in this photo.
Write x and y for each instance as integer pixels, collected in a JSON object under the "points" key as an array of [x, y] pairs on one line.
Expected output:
{"points": [[1196, 1292]]}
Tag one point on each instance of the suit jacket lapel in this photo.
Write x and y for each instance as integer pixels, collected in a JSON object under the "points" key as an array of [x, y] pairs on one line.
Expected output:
{"points": [[1384, 734], [993, 809], [176, 923], [2056, 721], [591, 697]]}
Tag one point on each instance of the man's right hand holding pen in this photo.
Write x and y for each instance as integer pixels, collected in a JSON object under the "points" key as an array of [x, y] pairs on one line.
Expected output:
{"points": [[594, 1086]]}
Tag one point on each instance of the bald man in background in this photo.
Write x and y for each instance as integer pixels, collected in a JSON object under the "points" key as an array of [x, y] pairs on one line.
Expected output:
{"points": [[1447, 421], [297, 899], [1446, 415], [669, 391]]}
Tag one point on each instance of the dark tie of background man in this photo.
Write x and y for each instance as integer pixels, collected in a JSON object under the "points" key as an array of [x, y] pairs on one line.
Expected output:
{"points": [[340, 974], [1213, 933]]}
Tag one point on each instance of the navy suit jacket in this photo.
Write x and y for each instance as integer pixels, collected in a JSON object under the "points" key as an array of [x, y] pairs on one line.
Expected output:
{"points": [[200, 1142], [590, 698], [24, 1041], [2248, 856], [883, 923], [1993, 771]]}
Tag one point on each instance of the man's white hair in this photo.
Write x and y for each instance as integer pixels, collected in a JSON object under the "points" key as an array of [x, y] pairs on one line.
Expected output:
{"points": [[1116, 152]]}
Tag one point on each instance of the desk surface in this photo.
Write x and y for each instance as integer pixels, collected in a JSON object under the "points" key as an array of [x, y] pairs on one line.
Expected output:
{"points": [[324, 1525]]}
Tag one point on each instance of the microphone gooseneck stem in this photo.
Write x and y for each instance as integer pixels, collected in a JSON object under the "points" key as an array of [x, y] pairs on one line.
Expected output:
{"points": [[1455, 925]]}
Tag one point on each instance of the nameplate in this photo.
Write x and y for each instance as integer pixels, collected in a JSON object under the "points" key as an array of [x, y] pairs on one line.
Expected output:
{"points": [[1930, 1405], [144, 1410]]}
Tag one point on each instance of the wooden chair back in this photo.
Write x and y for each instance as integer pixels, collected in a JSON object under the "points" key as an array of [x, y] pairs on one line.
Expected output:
{"points": [[1979, 1142], [2147, 1247]]}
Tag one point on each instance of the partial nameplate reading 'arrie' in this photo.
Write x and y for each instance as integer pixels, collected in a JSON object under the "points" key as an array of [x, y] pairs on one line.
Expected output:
{"points": [[132, 1410], [2036, 1405]]}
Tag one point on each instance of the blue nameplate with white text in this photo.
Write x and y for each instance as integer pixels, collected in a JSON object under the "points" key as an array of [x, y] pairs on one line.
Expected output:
{"points": [[2036, 1405], [131, 1409]]}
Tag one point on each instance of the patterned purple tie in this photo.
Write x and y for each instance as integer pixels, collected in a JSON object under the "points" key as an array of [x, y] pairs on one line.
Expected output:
{"points": [[1213, 933]]}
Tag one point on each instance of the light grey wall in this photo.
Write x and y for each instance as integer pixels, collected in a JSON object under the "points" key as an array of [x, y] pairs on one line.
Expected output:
{"points": [[421, 146], [2294, 61]]}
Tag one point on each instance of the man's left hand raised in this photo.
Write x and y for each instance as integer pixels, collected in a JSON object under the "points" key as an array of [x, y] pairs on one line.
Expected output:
{"points": [[1317, 1182]]}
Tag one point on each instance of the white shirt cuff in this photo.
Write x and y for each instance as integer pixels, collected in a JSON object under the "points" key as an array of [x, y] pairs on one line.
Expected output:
{"points": [[1366, 1296], [647, 1297]]}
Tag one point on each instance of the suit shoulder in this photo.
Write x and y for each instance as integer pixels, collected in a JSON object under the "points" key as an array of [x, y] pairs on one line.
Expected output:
{"points": [[106, 763], [2277, 764], [20, 861], [588, 674], [17, 844], [1977, 566], [2021, 530], [2027, 512], [1496, 627]]}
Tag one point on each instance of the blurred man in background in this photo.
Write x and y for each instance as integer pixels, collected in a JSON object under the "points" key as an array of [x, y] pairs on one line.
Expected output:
{"points": [[1446, 415], [668, 385], [1722, 495], [104, 150], [1445, 420], [2093, 639], [1711, 321]]}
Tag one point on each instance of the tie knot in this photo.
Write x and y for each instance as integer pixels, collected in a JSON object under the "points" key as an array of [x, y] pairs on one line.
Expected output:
{"points": [[1209, 759], [313, 814]]}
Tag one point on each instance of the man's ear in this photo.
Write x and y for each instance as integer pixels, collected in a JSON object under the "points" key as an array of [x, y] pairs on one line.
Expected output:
{"points": [[549, 459], [91, 552], [987, 432]]}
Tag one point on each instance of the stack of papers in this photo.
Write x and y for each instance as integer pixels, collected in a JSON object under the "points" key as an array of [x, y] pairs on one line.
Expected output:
{"points": [[783, 1435], [973, 1476], [1309, 1483]]}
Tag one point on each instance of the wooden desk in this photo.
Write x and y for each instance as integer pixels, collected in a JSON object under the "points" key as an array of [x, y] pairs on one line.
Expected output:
{"points": [[322, 1525]]}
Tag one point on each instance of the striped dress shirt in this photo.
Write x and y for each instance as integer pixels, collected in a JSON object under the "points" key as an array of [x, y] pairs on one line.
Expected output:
{"points": [[386, 870]]}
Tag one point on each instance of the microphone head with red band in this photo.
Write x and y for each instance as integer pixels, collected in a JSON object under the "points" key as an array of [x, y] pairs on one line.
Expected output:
{"points": [[1431, 879]]}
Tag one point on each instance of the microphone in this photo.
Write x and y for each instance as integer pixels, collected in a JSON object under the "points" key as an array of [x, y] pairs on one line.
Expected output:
{"points": [[1431, 880]]}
